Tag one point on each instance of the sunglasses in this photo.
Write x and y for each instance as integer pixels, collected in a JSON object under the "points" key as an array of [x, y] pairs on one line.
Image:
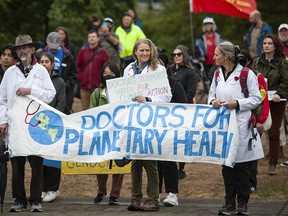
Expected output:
{"points": [[177, 54]]}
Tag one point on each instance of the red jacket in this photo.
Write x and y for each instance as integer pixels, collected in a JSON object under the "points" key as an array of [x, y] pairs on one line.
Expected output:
{"points": [[89, 76]]}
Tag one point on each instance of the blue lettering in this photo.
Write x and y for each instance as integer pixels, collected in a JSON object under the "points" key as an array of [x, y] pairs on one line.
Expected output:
{"points": [[115, 112], [213, 124], [161, 116], [174, 114], [226, 143], [131, 110], [80, 150], [149, 117], [204, 143], [198, 113], [85, 120], [149, 135], [213, 147], [224, 116], [160, 139], [99, 120], [70, 139]]}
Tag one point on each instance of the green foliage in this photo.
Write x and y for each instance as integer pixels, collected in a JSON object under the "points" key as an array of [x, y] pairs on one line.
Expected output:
{"points": [[38, 18]]}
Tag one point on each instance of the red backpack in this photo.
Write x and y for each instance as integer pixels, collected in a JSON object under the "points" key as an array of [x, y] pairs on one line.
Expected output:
{"points": [[243, 82]]}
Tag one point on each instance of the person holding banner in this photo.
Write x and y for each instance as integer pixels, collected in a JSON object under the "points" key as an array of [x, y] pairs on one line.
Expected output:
{"points": [[27, 77], [225, 90], [274, 67], [52, 175], [146, 55], [110, 70]]}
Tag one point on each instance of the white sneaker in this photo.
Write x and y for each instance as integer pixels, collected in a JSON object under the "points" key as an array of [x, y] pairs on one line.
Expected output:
{"points": [[51, 196], [43, 195], [171, 200]]}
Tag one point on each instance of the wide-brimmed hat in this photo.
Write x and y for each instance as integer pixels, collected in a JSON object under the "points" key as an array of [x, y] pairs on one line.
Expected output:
{"points": [[23, 40]]}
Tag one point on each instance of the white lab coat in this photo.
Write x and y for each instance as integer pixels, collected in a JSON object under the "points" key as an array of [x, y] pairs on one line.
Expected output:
{"points": [[129, 71], [231, 90], [38, 80]]}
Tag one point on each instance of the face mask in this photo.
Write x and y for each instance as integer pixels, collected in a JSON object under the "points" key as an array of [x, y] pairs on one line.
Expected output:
{"points": [[105, 78]]}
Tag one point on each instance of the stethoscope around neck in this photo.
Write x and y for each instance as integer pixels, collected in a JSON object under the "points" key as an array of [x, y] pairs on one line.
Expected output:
{"points": [[31, 114]]}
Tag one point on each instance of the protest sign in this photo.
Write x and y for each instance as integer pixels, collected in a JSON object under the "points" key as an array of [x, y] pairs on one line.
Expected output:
{"points": [[145, 131], [148, 84]]}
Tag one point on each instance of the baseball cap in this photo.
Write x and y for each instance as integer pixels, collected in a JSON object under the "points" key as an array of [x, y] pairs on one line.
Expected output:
{"points": [[208, 20], [283, 25], [108, 19], [53, 40]]}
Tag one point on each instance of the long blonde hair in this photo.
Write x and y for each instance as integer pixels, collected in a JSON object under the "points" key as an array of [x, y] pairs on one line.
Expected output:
{"points": [[153, 62]]}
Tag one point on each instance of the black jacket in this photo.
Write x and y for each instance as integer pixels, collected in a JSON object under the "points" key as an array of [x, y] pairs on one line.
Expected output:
{"points": [[178, 92], [187, 77], [59, 101]]}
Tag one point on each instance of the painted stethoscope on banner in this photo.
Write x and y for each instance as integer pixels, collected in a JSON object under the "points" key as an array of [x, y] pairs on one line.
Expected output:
{"points": [[31, 114]]}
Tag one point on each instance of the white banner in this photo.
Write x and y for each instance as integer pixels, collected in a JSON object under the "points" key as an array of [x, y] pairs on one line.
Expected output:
{"points": [[148, 84], [148, 131]]}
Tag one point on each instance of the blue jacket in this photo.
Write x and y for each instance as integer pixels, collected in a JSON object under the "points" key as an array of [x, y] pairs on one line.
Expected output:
{"points": [[265, 29]]}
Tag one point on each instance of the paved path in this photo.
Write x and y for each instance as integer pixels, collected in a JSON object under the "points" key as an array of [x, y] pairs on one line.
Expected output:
{"points": [[83, 206]]}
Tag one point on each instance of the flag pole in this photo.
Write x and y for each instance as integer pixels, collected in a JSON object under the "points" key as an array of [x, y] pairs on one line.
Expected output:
{"points": [[191, 27]]}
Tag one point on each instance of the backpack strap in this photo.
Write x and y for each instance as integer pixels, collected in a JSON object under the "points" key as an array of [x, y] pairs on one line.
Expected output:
{"points": [[97, 96], [243, 81], [217, 74]]}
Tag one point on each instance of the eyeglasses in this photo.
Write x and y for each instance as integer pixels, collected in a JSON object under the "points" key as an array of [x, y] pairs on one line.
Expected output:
{"points": [[177, 54]]}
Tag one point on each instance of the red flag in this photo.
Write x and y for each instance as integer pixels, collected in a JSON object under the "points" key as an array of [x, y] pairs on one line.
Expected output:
{"points": [[238, 8]]}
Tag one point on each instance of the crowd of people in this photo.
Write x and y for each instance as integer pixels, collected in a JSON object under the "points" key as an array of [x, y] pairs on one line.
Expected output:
{"points": [[109, 54]]}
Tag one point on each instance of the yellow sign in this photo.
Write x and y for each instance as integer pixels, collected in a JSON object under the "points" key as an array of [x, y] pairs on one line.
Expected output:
{"points": [[105, 167]]}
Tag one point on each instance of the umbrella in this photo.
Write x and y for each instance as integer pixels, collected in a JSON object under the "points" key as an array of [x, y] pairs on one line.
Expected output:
{"points": [[4, 157]]}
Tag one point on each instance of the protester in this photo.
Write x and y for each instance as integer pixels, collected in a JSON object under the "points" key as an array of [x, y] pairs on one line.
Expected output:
{"points": [[206, 43], [274, 67], [65, 40], [225, 90], [255, 35], [246, 61], [136, 20], [128, 34], [99, 97], [8, 58], [283, 36], [109, 40], [168, 169], [146, 56], [65, 65], [52, 175], [27, 77], [89, 63], [183, 71]]}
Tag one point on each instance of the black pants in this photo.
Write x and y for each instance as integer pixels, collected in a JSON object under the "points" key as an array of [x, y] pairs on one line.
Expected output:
{"points": [[168, 170], [236, 181], [18, 179], [51, 178], [252, 166]]}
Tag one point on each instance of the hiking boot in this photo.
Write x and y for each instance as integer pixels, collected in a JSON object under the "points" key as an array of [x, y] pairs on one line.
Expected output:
{"points": [[51, 196], [113, 200], [272, 169], [134, 206], [18, 207], [150, 205], [99, 198], [171, 200], [181, 174], [227, 209], [242, 210], [36, 207], [284, 164]]}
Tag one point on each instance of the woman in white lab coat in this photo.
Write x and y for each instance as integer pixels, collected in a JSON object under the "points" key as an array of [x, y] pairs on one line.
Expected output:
{"points": [[226, 90]]}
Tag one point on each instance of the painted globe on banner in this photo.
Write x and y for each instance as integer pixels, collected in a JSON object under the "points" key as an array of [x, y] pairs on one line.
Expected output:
{"points": [[46, 127]]}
